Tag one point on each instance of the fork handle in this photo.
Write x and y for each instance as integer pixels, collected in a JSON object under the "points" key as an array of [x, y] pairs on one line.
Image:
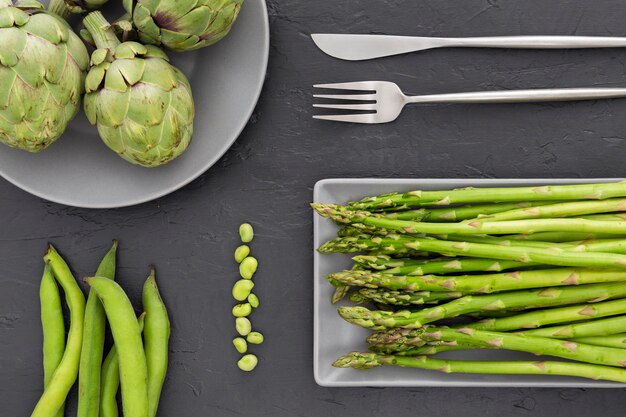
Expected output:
{"points": [[536, 42], [519, 96]]}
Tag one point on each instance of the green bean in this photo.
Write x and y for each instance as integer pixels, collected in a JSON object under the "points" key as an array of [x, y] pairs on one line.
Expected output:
{"points": [[240, 344], [248, 267], [156, 336], [248, 362], [255, 338], [242, 253], [53, 327], [246, 232], [66, 373], [253, 300], [127, 336], [242, 310], [93, 344], [242, 289], [110, 380], [243, 326]]}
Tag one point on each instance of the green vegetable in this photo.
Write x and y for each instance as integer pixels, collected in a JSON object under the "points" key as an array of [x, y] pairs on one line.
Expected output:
{"points": [[156, 336], [93, 344], [342, 215], [66, 372], [242, 310], [600, 327], [182, 25], [110, 380], [400, 339], [53, 327], [479, 284], [242, 289], [527, 299], [255, 338], [401, 298], [141, 104], [42, 71], [253, 300], [246, 232], [243, 326], [247, 362], [489, 195], [528, 255], [241, 253], [127, 337], [248, 267], [240, 344], [370, 360], [613, 340], [550, 316]]}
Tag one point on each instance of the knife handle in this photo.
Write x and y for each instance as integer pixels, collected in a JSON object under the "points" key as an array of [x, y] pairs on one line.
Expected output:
{"points": [[536, 42]]}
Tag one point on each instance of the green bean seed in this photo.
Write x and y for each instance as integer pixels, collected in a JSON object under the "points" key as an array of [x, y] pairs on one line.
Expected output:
{"points": [[110, 382], [242, 310], [53, 327], [156, 336], [66, 373], [127, 336], [248, 267], [93, 344], [241, 253], [243, 326], [240, 344], [253, 300], [248, 362], [255, 338], [242, 288], [246, 232]]}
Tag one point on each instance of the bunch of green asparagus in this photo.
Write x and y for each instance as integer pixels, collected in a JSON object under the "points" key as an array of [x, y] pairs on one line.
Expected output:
{"points": [[533, 269]]}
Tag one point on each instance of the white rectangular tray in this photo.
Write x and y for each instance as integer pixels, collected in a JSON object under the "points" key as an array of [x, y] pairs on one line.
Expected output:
{"points": [[334, 337]]}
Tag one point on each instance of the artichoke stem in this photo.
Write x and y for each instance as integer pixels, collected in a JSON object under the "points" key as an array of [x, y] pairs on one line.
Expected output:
{"points": [[59, 8], [101, 30]]}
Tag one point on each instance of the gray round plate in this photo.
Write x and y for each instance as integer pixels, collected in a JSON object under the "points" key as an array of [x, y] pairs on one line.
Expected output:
{"points": [[79, 170]]}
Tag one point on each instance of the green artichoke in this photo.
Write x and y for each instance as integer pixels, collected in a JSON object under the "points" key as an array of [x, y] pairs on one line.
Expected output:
{"points": [[182, 25], [141, 104], [42, 72]]}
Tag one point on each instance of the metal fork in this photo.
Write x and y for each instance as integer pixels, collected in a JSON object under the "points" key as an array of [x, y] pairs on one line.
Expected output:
{"points": [[389, 100]]}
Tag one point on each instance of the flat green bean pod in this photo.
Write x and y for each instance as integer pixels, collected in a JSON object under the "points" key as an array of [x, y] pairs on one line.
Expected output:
{"points": [[53, 327], [156, 336], [127, 336], [93, 344], [66, 373]]}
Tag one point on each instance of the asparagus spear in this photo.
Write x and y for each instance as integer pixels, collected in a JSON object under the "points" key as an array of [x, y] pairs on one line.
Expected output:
{"points": [[558, 237], [401, 339], [613, 340], [568, 209], [368, 360], [479, 284], [401, 298], [345, 216], [621, 216], [600, 327], [421, 198], [396, 243], [527, 299], [550, 316]]}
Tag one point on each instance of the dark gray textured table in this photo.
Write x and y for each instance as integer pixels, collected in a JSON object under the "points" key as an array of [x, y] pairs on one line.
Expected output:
{"points": [[267, 179]]}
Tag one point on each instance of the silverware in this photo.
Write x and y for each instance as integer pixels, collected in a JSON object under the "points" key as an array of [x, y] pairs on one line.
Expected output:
{"points": [[360, 47], [388, 100]]}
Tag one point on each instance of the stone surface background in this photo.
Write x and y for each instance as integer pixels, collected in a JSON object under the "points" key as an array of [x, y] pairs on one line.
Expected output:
{"points": [[267, 179]]}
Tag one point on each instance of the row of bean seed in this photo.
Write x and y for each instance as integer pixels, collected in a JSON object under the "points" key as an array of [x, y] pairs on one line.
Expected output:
{"points": [[242, 291]]}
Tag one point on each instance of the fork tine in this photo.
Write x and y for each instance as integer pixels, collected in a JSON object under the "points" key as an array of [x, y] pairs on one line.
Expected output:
{"points": [[361, 85], [351, 118], [364, 97], [347, 106]]}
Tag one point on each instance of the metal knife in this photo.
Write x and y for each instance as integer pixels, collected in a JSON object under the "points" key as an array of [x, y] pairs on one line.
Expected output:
{"points": [[360, 47]]}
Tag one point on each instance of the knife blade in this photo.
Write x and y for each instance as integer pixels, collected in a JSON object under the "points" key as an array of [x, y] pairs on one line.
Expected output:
{"points": [[356, 47]]}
